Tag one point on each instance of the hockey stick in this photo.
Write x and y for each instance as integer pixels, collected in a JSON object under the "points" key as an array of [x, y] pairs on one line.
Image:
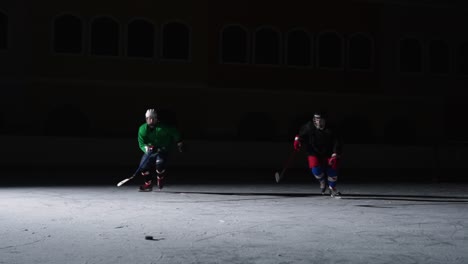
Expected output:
{"points": [[279, 176], [134, 174]]}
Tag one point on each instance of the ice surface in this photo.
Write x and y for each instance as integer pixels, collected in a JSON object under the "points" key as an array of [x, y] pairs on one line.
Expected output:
{"points": [[258, 223]]}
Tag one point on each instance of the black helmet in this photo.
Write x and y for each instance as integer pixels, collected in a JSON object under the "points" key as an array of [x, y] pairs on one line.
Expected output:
{"points": [[319, 119], [320, 114]]}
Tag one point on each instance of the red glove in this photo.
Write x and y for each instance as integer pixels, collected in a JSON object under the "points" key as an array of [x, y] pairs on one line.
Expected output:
{"points": [[297, 143], [333, 161]]}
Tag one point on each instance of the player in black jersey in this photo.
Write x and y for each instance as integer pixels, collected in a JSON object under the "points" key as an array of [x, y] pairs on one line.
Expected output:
{"points": [[323, 147]]}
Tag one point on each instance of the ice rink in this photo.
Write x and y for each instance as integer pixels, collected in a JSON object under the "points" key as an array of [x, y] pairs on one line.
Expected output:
{"points": [[235, 223]]}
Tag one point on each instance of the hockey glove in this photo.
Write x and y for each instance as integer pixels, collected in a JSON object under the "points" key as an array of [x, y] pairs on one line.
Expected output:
{"points": [[333, 161], [297, 143], [149, 149]]}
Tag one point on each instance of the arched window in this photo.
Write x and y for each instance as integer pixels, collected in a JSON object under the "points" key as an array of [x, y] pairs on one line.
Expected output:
{"points": [[234, 44], [105, 36], [267, 46], [176, 41], [330, 50], [439, 57], [361, 52], [410, 55], [462, 59], [3, 31], [140, 39], [68, 34], [299, 48]]}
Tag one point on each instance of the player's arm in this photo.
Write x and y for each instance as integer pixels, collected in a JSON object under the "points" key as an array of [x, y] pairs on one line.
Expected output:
{"points": [[299, 138], [144, 146], [304, 131], [337, 144], [177, 138]]}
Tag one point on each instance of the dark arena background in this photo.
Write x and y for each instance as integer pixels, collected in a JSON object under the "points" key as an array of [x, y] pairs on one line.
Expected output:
{"points": [[238, 79]]}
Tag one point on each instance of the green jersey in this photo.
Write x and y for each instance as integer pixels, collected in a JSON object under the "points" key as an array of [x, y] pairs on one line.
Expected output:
{"points": [[161, 136]]}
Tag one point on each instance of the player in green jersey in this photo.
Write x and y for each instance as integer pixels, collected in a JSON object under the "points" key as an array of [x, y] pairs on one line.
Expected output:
{"points": [[154, 139]]}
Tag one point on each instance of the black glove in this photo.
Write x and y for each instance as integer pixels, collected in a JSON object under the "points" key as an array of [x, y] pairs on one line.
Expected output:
{"points": [[180, 146]]}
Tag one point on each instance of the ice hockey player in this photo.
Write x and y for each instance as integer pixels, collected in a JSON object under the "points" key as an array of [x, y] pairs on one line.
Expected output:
{"points": [[323, 147], [155, 139]]}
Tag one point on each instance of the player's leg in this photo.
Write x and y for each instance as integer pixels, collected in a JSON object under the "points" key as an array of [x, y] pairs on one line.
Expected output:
{"points": [[332, 174], [317, 171], [147, 171], [161, 160]]}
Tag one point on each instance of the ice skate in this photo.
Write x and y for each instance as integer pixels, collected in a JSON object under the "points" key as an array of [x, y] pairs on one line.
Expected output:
{"points": [[323, 187], [334, 192], [146, 187], [160, 182]]}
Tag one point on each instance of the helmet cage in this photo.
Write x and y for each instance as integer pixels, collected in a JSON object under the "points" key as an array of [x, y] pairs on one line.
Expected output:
{"points": [[319, 121]]}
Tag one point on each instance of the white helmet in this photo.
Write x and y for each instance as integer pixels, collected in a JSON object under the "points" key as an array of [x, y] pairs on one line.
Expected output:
{"points": [[150, 113]]}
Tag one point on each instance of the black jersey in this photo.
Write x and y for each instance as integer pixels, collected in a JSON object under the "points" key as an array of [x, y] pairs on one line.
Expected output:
{"points": [[322, 143]]}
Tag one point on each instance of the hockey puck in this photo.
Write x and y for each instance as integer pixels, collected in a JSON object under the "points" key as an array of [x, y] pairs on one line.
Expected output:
{"points": [[149, 237]]}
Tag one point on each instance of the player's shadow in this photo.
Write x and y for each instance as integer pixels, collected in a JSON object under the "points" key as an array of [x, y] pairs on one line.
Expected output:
{"points": [[253, 194], [256, 196], [275, 195], [403, 197]]}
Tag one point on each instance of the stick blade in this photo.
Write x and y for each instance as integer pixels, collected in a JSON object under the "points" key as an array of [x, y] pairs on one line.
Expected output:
{"points": [[277, 177], [122, 182]]}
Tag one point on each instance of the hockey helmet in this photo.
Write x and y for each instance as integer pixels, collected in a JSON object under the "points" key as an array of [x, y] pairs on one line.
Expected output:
{"points": [[151, 113], [319, 119]]}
